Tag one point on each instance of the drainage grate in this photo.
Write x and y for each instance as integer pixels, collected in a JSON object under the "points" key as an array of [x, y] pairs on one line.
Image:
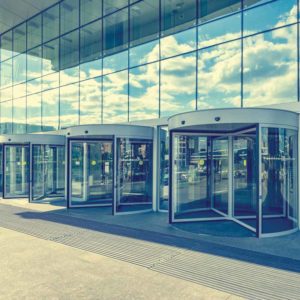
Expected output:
{"points": [[245, 273]]}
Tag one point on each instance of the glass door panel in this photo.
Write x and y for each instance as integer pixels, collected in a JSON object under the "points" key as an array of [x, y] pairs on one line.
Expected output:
{"points": [[91, 173], [1, 169], [37, 172], [134, 175], [16, 178]]}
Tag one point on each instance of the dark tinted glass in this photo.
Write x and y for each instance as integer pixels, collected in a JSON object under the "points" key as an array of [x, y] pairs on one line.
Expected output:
{"points": [[20, 39], [51, 23], [90, 10]]}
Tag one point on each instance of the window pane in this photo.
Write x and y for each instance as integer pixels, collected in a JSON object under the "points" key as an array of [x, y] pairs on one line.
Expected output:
{"points": [[19, 116], [51, 57], [219, 31], [34, 86], [6, 94], [116, 62], [270, 67], [280, 13], [34, 63], [51, 23], [144, 22], [50, 109], [6, 117], [143, 54], [6, 45], [34, 32], [91, 101], [69, 15], [144, 92], [19, 90], [91, 42], [69, 58], [210, 9], [90, 10], [249, 3], [111, 6], [178, 84], [219, 76], [34, 113], [179, 43], [115, 97], [177, 15], [6, 73], [69, 105], [50, 81], [19, 68], [115, 32], [20, 39]]}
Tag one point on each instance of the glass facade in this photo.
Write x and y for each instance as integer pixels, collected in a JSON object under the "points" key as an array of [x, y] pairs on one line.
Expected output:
{"points": [[98, 61]]}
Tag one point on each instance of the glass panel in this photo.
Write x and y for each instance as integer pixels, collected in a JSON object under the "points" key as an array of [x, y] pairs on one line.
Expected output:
{"points": [[115, 32], [164, 168], [178, 84], [270, 67], [219, 76], [50, 109], [245, 178], [115, 97], [38, 172], [144, 92], [69, 15], [51, 57], [69, 105], [50, 81], [19, 34], [34, 86], [34, 118], [6, 73], [144, 22], [19, 68], [116, 62], [91, 173], [219, 31], [134, 175], [91, 101], [6, 45], [279, 179], [90, 10], [51, 23], [249, 3], [19, 116], [16, 171], [280, 13], [6, 117], [19, 90], [177, 15], [34, 63], [1, 170], [210, 9], [178, 43], [6, 94], [111, 6], [34, 32]]}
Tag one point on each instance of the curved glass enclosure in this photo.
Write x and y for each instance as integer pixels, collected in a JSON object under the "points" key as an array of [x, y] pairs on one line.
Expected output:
{"points": [[110, 165], [33, 167], [236, 164]]}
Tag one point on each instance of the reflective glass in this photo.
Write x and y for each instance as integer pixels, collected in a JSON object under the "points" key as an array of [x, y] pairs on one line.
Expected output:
{"points": [[219, 76], [50, 109], [144, 22], [1, 170], [280, 13], [143, 54], [19, 90], [179, 43], [115, 97], [50, 81], [270, 67], [34, 32], [144, 92], [91, 42], [219, 31], [91, 69], [19, 34], [249, 3], [34, 63], [178, 84], [19, 68], [6, 73], [69, 105], [116, 62], [279, 180], [69, 15], [6, 94], [90, 10], [19, 116], [6, 117], [111, 6], [34, 86], [210, 9], [6, 45], [115, 32], [51, 23], [69, 58], [177, 15], [134, 175], [51, 57], [34, 117], [91, 101]]}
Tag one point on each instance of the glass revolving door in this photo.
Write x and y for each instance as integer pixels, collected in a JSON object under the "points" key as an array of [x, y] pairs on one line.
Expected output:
{"points": [[16, 168]]}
